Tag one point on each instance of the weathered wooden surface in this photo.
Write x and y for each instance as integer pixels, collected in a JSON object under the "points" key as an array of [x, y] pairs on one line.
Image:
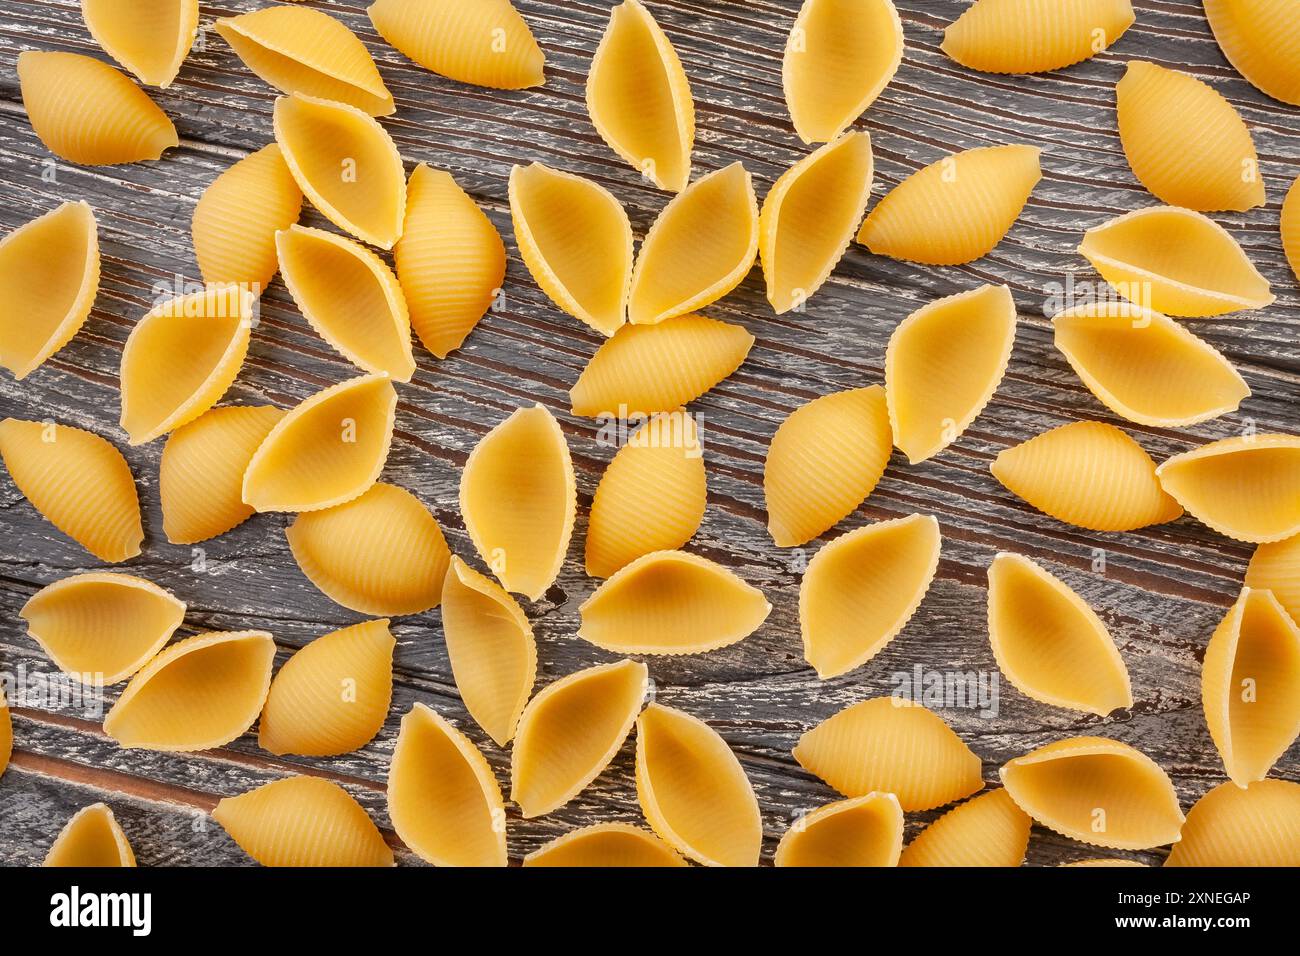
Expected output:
{"points": [[1162, 591]]}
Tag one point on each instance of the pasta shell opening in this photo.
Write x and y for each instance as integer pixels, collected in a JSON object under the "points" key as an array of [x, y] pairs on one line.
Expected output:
{"points": [[863, 831], [1231, 826], [988, 830], [151, 38], [1261, 39], [1020, 36], [606, 845], [92, 838]]}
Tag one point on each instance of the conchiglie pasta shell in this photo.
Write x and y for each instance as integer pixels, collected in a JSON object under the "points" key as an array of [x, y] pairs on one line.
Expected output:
{"points": [[1087, 474], [701, 246], [1229, 826], [645, 369], [988, 830], [88, 113], [79, 483], [1276, 567], [861, 831], [1261, 38], [151, 38], [199, 693], [955, 210], [332, 696], [92, 838], [6, 734], [893, 745], [1185, 142], [693, 791], [303, 821], [1049, 643], [1024, 36], [1291, 227], [840, 56], [1105, 861], [571, 731], [671, 602], [1098, 791], [606, 845], [824, 460], [101, 626]]}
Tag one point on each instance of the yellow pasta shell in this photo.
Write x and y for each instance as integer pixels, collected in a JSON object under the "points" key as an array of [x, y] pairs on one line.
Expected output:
{"points": [[861, 831], [606, 845], [6, 734], [1231, 826], [1291, 227], [1276, 567], [1105, 862], [1024, 36], [891, 745], [79, 483], [199, 693], [332, 696], [1261, 38], [92, 838], [151, 38], [988, 830], [671, 602]]}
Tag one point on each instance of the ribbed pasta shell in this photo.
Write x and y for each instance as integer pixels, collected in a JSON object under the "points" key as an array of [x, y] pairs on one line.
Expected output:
{"points": [[701, 246], [955, 210], [303, 821], [79, 483], [450, 260], [576, 240], [1291, 227], [484, 42], [86, 112], [102, 627], [1087, 474], [1261, 38], [1049, 643], [824, 460], [1027, 36], [891, 744], [346, 164], [326, 451], [860, 831], [300, 50], [1106, 861], [1229, 826], [571, 731], [645, 369], [1185, 142], [332, 696], [6, 734], [1096, 790], [606, 845], [180, 358], [92, 838], [151, 38], [199, 693], [988, 830], [943, 364], [809, 217], [840, 56], [1145, 367], [491, 648], [671, 602], [1276, 567], [651, 497], [443, 798]]}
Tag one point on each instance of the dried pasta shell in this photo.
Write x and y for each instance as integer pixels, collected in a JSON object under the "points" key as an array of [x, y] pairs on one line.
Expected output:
{"points": [[92, 838], [450, 260], [639, 99], [86, 112], [518, 496], [79, 483], [809, 217], [1250, 686], [671, 602], [484, 42], [6, 734], [606, 845], [861, 831], [651, 497], [571, 731], [326, 451], [102, 627], [1231, 826], [840, 56], [1146, 367], [1105, 861], [1247, 488], [701, 246], [892, 745], [1291, 227], [1261, 39], [49, 276], [1185, 142], [1022, 36], [645, 369], [988, 830], [180, 358], [576, 240], [151, 38], [1098, 791], [332, 696], [491, 647], [693, 791], [303, 821], [300, 50], [824, 460], [943, 364], [199, 693], [1087, 474], [443, 798], [346, 164], [861, 590], [1276, 567], [1049, 643]]}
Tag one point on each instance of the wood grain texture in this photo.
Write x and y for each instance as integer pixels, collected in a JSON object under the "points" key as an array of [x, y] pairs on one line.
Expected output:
{"points": [[1162, 591]]}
